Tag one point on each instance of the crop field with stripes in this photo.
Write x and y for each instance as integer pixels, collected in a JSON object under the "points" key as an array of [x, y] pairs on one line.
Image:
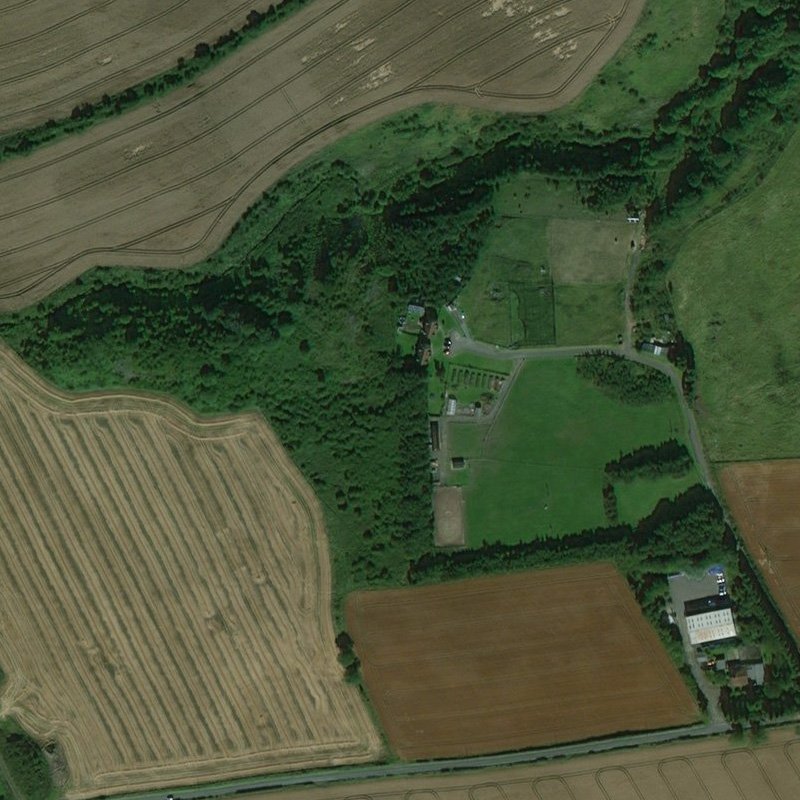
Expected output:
{"points": [[164, 594], [57, 55], [164, 183], [711, 769]]}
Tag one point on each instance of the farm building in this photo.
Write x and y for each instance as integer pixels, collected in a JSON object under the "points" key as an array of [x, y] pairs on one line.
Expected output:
{"points": [[709, 619]]}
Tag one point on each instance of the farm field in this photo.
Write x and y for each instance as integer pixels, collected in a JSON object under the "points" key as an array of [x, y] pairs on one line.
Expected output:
{"points": [[765, 502], [745, 338], [715, 767], [550, 271], [537, 469], [488, 670], [57, 55], [183, 568], [165, 183]]}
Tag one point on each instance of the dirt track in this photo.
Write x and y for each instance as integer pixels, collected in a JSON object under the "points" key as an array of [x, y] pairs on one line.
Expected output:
{"points": [[55, 55], [513, 661], [164, 594], [712, 769], [163, 184]]}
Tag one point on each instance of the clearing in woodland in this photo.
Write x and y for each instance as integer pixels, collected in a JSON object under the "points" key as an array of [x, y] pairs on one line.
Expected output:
{"points": [[536, 468], [58, 55], [513, 661], [165, 604], [765, 502], [165, 183], [717, 768]]}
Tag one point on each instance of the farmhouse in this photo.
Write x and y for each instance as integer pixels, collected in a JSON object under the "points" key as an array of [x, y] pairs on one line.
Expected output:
{"points": [[709, 619]]}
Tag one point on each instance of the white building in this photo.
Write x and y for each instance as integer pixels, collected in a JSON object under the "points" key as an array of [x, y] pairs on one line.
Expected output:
{"points": [[711, 626]]}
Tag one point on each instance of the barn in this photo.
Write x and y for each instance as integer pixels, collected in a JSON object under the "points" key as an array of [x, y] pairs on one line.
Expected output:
{"points": [[709, 619]]}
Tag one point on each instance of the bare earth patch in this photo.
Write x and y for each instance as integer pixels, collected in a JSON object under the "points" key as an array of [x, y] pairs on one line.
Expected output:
{"points": [[513, 661], [764, 497], [56, 55], [165, 600], [164, 184], [706, 769], [448, 512]]}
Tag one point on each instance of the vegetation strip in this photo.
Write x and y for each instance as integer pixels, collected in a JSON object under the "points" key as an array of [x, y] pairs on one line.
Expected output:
{"points": [[87, 114]]}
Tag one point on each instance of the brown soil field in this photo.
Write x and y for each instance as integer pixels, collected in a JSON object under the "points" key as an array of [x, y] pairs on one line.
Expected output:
{"points": [[708, 769], [513, 661], [55, 55], [164, 594], [764, 497], [163, 184], [448, 511]]}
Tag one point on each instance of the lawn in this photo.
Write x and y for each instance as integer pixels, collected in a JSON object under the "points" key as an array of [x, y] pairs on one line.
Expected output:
{"points": [[550, 270], [736, 290], [672, 38], [538, 469], [583, 313]]}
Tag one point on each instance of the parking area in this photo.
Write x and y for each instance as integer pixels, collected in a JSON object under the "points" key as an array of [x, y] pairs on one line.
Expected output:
{"points": [[684, 588]]}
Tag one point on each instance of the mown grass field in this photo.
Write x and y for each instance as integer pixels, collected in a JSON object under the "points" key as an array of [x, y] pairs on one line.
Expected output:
{"points": [[550, 271], [538, 469], [736, 289]]}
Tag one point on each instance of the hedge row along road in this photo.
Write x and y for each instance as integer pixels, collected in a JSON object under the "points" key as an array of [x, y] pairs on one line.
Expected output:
{"points": [[164, 184]]}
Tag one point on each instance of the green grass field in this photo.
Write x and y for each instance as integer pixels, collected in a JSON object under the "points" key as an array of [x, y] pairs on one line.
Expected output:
{"points": [[736, 287], [538, 470], [672, 38], [550, 272]]}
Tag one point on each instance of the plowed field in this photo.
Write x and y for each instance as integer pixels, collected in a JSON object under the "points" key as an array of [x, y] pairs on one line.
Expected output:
{"points": [[164, 594], [56, 55], [711, 769], [163, 184], [764, 497], [513, 661]]}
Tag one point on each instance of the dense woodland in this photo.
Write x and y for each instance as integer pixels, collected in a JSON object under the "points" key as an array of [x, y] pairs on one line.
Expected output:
{"points": [[624, 380], [295, 316]]}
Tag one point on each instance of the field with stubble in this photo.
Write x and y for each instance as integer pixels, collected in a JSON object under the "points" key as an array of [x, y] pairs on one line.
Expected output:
{"points": [[709, 769], [164, 184], [764, 497], [165, 601], [57, 55], [513, 661]]}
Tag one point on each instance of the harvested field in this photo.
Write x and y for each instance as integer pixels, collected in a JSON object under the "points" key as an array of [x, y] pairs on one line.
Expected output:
{"points": [[764, 497], [513, 661], [56, 55], [165, 601], [164, 184], [707, 769], [448, 510]]}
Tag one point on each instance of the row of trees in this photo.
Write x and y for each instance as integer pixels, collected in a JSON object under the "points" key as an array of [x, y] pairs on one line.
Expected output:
{"points": [[205, 55], [651, 461]]}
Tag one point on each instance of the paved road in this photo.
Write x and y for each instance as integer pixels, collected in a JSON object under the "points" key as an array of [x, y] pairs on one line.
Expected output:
{"points": [[372, 771]]}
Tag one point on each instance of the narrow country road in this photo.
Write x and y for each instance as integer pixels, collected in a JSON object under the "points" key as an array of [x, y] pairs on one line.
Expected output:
{"points": [[372, 771]]}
